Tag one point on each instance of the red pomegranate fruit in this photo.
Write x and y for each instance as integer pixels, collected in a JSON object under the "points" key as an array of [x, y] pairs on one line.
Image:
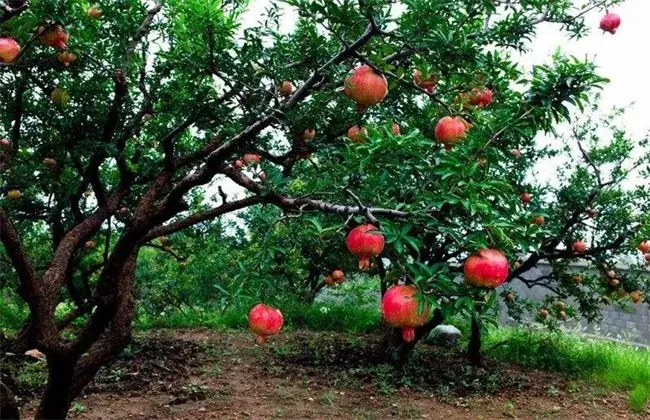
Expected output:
{"points": [[4, 142], [239, 164], [427, 83], [579, 247], [309, 134], [264, 321], [365, 87], [610, 22], [365, 244], [401, 309], [486, 268], [538, 220], [9, 50], [644, 247], [395, 129], [338, 276], [526, 197], [66, 58], [56, 37], [286, 88], [357, 133], [251, 158], [451, 130], [481, 97]]}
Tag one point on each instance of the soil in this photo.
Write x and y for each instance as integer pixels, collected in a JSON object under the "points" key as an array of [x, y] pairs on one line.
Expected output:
{"points": [[202, 374]]}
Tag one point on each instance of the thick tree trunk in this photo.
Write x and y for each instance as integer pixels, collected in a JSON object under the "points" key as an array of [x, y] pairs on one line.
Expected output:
{"points": [[8, 407], [474, 347], [55, 402], [398, 351]]}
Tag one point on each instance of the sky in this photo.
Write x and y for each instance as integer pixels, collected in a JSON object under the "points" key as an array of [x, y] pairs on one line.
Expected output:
{"points": [[624, 58]]}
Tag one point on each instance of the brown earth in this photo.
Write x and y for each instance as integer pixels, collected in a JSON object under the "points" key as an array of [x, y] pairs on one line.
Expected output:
{"points": [[201, 374]]}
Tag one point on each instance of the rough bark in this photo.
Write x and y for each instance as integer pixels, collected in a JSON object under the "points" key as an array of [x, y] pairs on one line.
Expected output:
{"points": [[8, 407], [474, 347], [399, 351]]}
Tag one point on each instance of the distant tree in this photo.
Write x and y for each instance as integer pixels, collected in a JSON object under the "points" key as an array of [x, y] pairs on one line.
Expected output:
{"points": [[120, 139]]}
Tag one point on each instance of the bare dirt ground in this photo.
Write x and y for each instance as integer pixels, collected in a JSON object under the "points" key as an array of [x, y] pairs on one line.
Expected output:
{"points": [[201, 374]]}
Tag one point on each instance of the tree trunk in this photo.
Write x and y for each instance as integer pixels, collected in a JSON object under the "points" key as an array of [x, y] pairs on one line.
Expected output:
{"points": [[8, 407], [474, 347], [55, 402], [398, 351]]}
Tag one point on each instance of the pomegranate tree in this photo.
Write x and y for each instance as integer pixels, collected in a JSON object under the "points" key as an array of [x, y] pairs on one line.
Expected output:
{"points": [[401, 308], [365, 242], [264, 321]]}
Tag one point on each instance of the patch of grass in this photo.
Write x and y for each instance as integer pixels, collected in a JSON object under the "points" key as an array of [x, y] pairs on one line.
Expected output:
{"points": [[612, 364], [328, 398], [33, 375], [639, 396]]}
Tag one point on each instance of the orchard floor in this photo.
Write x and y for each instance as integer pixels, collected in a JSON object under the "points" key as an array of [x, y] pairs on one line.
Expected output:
{"points": [[202, 374]]}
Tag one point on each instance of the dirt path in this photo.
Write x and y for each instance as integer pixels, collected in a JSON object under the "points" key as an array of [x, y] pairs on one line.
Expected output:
{"points": [[222, 375]]}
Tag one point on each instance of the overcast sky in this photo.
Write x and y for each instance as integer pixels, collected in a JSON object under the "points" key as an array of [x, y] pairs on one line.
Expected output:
{"points": [[623, 57]]}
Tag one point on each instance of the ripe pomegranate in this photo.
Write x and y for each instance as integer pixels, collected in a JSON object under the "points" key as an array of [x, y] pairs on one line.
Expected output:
{"points": [[543, 313], [251, 158], [239, 164], [364, 244], [55, 36], [66, 58], [538, 220], [614, 282], [365, 87], [396, 129], [262, 176], [636, 296], [610, 22], [400, 309], [338, 276], [264, 321], [481, 97], [451, 130], [579, 247], [4, 142], [9, 50], [14, 194], [644, 247], [516, 153], [309, 134], [90, 244], [486, 268], [357, 133], [329, 281], [60, 97], [526, 197], [94, 12], [429, 83], [577, 279], [286, 88]]}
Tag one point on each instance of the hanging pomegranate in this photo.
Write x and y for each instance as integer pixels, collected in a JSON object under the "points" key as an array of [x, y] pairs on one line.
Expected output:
{"points": [[264, 321], [357, 133], [486, 268], [451, 130], [401, 308], [338, 276], [365, 244], [251, 158], [610, 22], [55, 36], [365, 87], [66, 58], [9, 50]]}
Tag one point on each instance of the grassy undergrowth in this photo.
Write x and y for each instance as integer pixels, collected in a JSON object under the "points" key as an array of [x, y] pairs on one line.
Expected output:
{"points": [[612, 364]]}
